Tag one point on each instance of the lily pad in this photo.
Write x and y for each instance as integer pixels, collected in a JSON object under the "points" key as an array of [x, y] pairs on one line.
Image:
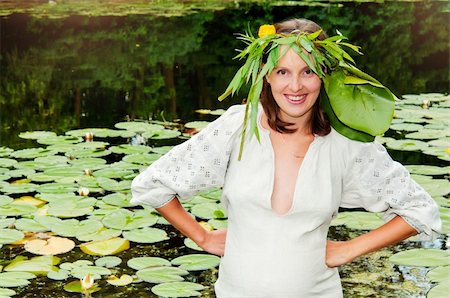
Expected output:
{"points": [[146, 235], [191, 244], [61, 274], [16, 209], [5, 151], [142, 159], [439, 291], [19, 188], [138, 126], [159, 275], [108, 262], [75, 287], [147, 262], [102, 234], [37, 134], [38, 265], [32, 153], [130, 149], [10, 235], [406, 145], [161, 134], [118, 199], [123, 280], [439, 274], [95, 271], [28, 224], [127, 220], [50, 246], [406, 126], [428, 170], [52, 140], [427, 134], [208, 211], [74, 228], [111, 172], [9, 281], [178, 289], [422, 257], [87, 152], [358, 220], [7, 292], [105, 247], [7, 162], [196, 124], [196, 262], [5, 200]]}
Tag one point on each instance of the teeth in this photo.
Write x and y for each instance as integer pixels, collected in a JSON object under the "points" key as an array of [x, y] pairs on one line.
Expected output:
{"points": [[295, 97]]}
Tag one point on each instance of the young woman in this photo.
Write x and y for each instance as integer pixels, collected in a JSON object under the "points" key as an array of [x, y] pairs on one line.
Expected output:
{"points": [[284, 191]]}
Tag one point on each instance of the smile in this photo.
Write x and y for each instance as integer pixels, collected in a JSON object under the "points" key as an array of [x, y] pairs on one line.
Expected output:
{"points": [[296, 98]]}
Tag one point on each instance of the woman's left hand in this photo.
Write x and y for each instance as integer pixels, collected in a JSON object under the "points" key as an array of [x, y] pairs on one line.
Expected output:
{"points": [[338, 253]]}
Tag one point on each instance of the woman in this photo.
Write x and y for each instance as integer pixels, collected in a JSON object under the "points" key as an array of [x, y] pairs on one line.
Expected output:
{"points": [[283, 193]]}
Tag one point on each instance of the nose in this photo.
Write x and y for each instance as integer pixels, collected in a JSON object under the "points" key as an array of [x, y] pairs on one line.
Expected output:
{"points": [[295, 84]]}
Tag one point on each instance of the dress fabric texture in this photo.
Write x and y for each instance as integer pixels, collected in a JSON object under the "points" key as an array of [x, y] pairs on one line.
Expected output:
{"points": [[283, 255]]}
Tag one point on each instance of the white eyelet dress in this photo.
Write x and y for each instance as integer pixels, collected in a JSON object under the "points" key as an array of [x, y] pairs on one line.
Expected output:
{"points": [[282, 256]]}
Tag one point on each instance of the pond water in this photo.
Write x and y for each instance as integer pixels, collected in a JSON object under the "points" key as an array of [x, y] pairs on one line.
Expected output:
{"points": [[67, 66]]}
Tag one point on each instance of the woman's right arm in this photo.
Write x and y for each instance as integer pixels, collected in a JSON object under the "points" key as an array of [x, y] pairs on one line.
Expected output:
{"points": [[210, 241]]}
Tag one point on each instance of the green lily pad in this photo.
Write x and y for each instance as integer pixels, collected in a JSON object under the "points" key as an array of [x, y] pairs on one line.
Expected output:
{"points": [[19, 188], [53, 160], [162, 149], [64, 171], [161, 134], [146, 235], [52, 140], [61, 274], [191, 244], [208, 211], [196, 124], [358, 220], [147, 262], [108, 262], [123, 280], [439, 274], [407, 145], [422, 257], [7, 162], [138, 126], [428, 170], [142, 159], [74, 228], [28, 224], [32, 153], [113, 185], [7, 222], [118, 199], [439, 291], [94, 145], [130, 149], [127, 220], [436, 187], [5, 200], [178, 289], [7, 292], [112, 172], [21, 173], [11, 281], [36, 134], [38, 265], [5, 151], [218, 224], [406, 127], [102, 234], [196, 262], [57, 188], [159, 275], [92, 163], [10, 235], [75, 287], [87, 152], [16, 209], [427, 134]]}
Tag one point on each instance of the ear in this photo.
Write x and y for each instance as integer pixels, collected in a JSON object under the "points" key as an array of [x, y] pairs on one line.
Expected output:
{"points": [[267, 78]]}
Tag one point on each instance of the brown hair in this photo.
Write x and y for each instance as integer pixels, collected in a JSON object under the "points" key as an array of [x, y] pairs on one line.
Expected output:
{"points": [[320, 124]]}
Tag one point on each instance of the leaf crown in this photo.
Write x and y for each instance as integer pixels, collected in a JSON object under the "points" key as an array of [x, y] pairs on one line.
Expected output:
{"points": [[328, 59]]}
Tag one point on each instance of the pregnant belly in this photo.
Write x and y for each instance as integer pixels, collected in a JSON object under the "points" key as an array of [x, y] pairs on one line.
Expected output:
{"points": [[290, 274]]}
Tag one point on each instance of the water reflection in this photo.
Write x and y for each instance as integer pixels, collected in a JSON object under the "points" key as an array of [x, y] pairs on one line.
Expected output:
{"points": [[79, 71]]}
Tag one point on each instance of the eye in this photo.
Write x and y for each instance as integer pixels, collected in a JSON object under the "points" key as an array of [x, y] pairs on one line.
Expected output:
{"points": [[308, 71], [282, 72]]}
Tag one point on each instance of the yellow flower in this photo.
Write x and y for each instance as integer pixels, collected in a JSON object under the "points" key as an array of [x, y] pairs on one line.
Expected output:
{"points": [[447, 150], [265, 30]]}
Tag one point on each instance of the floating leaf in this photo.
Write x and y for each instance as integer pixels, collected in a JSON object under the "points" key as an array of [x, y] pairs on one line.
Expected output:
{"points": [[428, 170], [208, 211], [111, 172], [7, 222], [7, 162], [61, 274], [9, 280], [38, 265], [161, 134], [28, 224], [102, 234], [439, 274], [406, 126], [158, 275], [191, 244], [50, 246], [439, 291], [19, 188], [10, 235], [118, 199], [147, 262], [178, 289], [36, 134], [124, 280], [406, 145], [95, 271], [32, 153], [142, 159], [197, 262], [422, 257], [138, 126], [16, 209], [105, 247], [127, 220], [427, 134], [75, 287], [196, 124], [5, 200], [146, 235], [74, 228], [7, 292], [108, 262]]}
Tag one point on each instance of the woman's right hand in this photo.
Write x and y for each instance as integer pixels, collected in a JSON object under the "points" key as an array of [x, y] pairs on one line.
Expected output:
{"points": [[214, 242]]}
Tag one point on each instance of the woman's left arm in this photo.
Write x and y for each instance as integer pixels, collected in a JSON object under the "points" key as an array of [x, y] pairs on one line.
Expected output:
{"points": [[343, 252], [375, 182]]}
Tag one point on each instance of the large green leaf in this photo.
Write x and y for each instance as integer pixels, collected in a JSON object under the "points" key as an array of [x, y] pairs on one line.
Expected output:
{"points": [[196, 262], [363, 107], [10, 236], [178, 289], [147, 262], [439, 274], [37, 265], [422, 257], [146, 235], [161, 274]]}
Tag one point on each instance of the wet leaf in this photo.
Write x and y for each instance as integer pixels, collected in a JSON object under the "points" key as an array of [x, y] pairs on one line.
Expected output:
{"points": [[421, 257], [146, 235], [439, 274], [124, 280], [178, 289], [147, 262], [108, 262], [10, 235], [50, 246], [38, 265], [161, 274], [195, 262], [105, 247]]}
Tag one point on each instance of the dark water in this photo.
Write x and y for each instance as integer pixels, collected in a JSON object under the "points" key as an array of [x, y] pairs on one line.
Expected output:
{"points": [[60, 73]]}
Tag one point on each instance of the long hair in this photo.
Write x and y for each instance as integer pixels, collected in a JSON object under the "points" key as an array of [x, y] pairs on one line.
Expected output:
{"points": [[319, 122]]}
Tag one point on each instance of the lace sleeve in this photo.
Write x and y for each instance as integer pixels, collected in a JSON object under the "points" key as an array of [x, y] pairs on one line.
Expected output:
{"points": [[197, 164], [377, 183]]}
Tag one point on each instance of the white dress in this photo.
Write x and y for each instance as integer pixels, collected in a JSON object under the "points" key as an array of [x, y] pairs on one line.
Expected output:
{"points": [[283, 256]]}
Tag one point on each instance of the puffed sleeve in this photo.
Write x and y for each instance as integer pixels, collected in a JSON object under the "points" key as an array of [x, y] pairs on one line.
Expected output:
{"points": [[195, 165], [376, 183]]}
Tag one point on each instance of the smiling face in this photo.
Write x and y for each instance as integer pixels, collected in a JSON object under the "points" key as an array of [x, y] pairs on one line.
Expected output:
{"points": [[295, 89]]}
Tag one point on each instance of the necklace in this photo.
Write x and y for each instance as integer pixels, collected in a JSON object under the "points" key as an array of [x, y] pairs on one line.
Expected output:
{"points": [[296, 155]]}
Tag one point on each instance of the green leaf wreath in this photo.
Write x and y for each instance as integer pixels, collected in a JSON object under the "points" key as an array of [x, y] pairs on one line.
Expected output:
{"points": [[358, 106]]}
